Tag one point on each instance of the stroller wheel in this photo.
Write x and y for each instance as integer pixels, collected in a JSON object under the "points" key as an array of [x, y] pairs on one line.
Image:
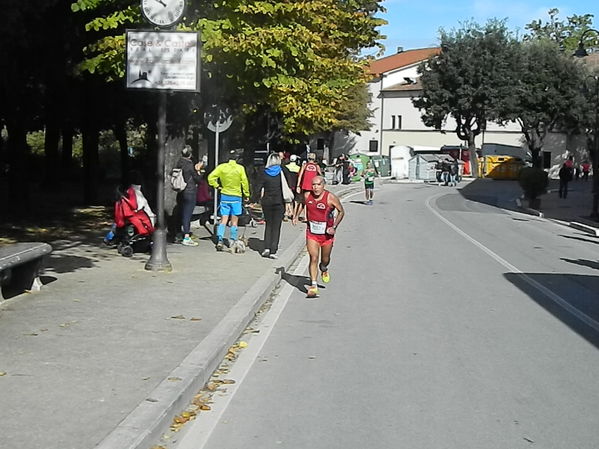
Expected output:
{"points": [[126, 251], [119, 247]]}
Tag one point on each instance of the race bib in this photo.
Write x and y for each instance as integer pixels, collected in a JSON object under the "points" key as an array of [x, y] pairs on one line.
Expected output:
{"points": [[318, 227], [370, 179]]}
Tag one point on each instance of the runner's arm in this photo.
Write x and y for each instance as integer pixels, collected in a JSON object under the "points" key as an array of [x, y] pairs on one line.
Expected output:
{"points": [[336, 203], [299, 179]]}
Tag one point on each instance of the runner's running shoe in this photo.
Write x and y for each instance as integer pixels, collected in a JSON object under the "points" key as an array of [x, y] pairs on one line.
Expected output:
{"points": [[326, 277], [313, 292]]}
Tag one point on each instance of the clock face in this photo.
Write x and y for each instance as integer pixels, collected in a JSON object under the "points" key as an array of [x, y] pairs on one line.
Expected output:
{"points": [[163, 12]]}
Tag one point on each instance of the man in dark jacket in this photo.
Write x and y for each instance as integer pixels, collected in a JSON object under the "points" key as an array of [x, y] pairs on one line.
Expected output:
{"points": [[565, 176]]}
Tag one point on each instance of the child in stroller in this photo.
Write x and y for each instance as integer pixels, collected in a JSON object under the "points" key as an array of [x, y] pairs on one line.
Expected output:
{"points": [[133, 221]]}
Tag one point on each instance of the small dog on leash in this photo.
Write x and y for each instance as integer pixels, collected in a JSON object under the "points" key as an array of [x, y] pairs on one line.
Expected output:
{"points": [[239, 246]]}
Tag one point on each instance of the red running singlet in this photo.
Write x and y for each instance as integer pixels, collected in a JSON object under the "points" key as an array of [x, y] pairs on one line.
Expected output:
{"points": [[310, 170]]}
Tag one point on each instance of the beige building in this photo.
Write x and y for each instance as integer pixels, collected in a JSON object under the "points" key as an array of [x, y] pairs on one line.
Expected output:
{"points": [[397, 122]]}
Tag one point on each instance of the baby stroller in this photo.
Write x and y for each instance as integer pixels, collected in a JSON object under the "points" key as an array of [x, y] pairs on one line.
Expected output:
{"points": [[133, 225]]}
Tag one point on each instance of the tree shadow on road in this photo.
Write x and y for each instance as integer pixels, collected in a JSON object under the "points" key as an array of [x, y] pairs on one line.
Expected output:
{"points": [[583, 262], [571, 298]]}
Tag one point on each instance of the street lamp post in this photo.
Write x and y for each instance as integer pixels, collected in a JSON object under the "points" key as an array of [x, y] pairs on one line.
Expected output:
{"points": [[580, 53]]}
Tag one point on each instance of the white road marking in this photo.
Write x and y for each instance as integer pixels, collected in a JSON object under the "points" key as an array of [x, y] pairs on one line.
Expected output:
{"points": [[199, 431], [548, 293]]}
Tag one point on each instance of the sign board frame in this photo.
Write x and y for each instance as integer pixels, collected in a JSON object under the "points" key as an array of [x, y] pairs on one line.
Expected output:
{"points": [[162, 60]]}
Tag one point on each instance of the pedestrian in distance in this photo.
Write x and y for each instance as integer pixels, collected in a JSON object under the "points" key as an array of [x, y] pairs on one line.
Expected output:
{"points": [[565, 176], [445, 172], [293, 170], [304, 179], [187, 197], [270, 186], [368, 175], [454, 173], [324, 213], [586, 168], [231, 180]]}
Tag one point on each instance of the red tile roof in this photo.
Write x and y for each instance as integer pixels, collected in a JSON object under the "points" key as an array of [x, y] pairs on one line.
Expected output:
{"points": [[403, 59], [404, 87]]}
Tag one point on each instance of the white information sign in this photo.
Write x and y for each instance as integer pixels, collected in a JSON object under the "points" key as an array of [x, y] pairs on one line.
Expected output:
{"points": [[163, 60]]}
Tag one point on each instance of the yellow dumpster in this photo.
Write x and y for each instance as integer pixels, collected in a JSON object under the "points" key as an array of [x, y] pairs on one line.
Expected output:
{"points": [[502, 167]]}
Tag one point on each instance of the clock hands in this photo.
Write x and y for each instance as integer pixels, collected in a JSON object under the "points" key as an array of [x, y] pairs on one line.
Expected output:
{"points": [[161, 2]]}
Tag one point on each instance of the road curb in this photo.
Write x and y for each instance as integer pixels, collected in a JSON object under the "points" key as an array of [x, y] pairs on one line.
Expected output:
{"points": [[572, 224], [153, 416], [529, 210], [584, 227]]}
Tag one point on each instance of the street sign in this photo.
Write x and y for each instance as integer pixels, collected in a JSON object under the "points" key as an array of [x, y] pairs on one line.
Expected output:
{"points": [[218, 117], [163, 60]]}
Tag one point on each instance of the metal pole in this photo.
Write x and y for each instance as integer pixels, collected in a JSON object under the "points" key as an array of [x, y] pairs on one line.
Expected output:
{"points": [[595, 212], [217, 137], [158, 260]]}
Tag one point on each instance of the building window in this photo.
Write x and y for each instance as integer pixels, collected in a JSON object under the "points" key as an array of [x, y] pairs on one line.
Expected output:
{"points": [[373, 146], [396, 122]]}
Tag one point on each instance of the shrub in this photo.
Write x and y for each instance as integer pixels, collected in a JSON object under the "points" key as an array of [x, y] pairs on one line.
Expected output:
{"points": [[533, 181]]}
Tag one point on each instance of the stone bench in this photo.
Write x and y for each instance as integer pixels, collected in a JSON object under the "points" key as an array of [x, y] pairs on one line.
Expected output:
{"points": [[21, 265]]}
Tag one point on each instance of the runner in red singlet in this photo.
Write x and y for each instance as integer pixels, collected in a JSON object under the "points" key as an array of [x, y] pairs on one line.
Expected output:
{"points": [[324, 212], [305, 177]]}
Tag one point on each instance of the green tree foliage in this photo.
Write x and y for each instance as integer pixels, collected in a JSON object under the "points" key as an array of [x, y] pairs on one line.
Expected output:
{"points": [[298, 58], [545, 92], [467, 80], [565, 34]]}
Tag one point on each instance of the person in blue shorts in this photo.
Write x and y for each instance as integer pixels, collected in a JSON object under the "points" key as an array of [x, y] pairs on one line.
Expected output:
{"points": [[230, 178]]}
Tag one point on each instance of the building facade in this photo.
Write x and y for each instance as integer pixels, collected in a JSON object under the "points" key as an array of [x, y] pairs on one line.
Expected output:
{"points": [[396, 121]]}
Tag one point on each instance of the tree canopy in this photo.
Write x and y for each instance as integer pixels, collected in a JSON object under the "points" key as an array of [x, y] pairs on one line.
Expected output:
{"points": [[565, 34], [545, 92], [298, 58], [468, 79]]}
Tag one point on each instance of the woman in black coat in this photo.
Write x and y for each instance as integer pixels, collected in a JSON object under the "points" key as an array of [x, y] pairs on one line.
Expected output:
{"points": [[273, 205], [187, 197]]}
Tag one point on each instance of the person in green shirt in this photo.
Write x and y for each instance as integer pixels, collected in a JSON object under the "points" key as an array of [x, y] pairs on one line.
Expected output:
{"points": [[368, 175], [231, 180]]}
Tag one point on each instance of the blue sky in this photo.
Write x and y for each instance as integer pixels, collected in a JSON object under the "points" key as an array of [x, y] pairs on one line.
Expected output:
{"points": [[415, 23]]}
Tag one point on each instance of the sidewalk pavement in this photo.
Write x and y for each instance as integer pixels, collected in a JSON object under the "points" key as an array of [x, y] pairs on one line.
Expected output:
{"points": [[107, 353], [573, 211]]}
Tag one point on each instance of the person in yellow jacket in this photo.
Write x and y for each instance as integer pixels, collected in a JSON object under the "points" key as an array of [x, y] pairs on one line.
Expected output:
{"points": [[230, 178]]}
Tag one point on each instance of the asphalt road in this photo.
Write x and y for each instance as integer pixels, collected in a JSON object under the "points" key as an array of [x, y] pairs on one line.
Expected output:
{"points": [[448, 323]]}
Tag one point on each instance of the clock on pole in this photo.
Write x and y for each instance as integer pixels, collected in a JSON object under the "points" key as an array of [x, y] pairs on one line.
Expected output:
{"points": [[163, 13]]}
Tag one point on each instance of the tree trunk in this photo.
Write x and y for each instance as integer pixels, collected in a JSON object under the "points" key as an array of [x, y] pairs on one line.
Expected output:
{"points": [[67, 149], [19, 169], [91, 161], [473, 156], [536, 160], [120, 132], [51, 141]]}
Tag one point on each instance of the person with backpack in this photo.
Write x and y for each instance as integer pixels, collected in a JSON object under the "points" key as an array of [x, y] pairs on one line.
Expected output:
{"points": [[186, 198]]}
